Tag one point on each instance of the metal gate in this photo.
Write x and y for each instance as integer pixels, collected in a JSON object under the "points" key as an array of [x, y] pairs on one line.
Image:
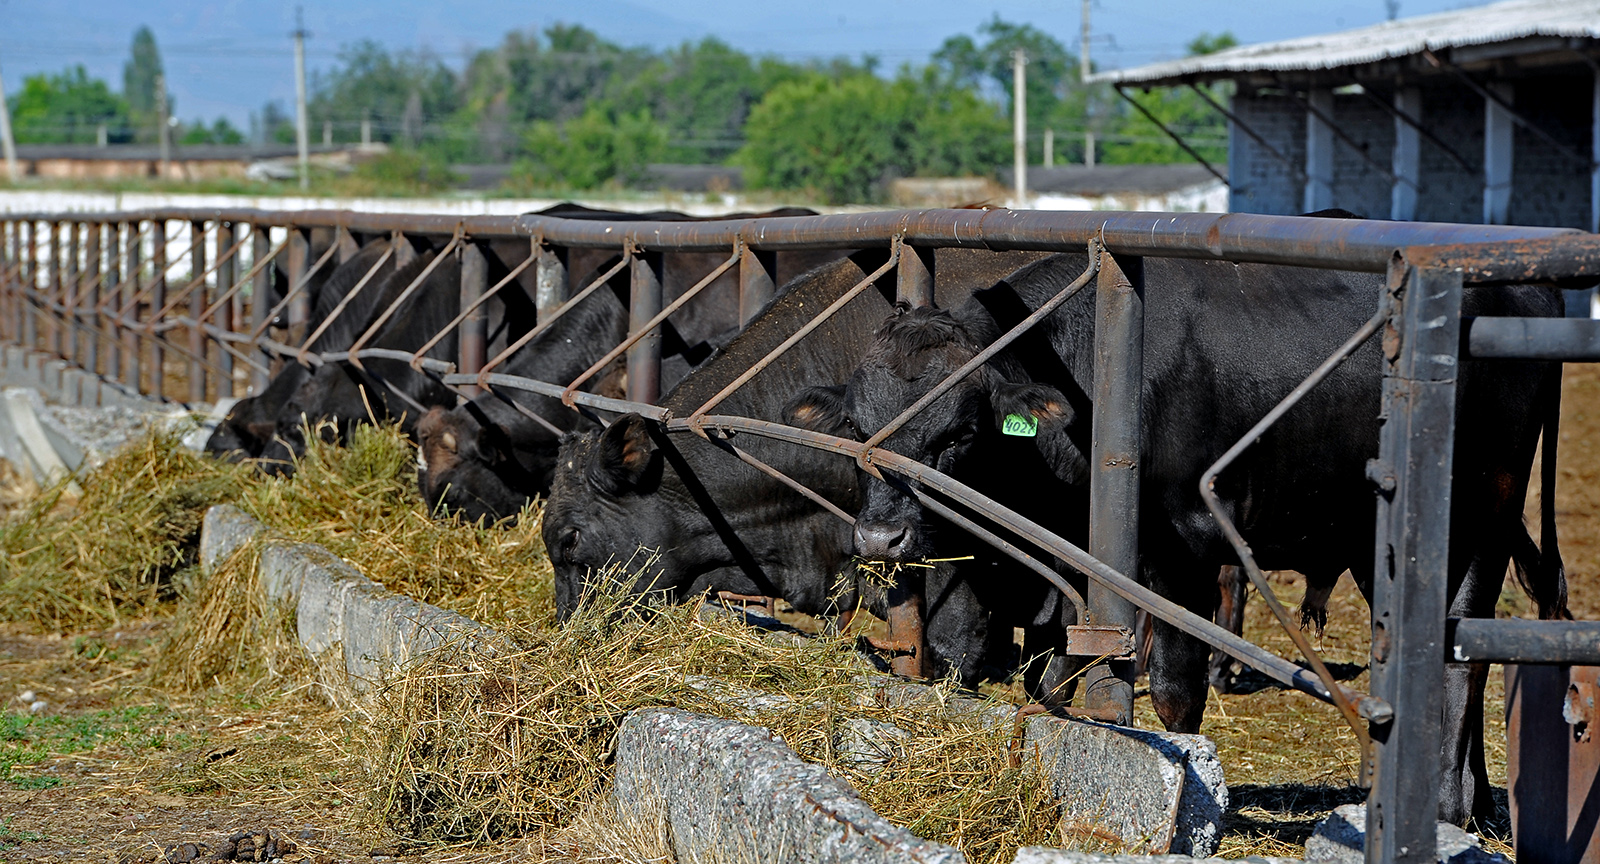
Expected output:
{"points": [[92, 289]]}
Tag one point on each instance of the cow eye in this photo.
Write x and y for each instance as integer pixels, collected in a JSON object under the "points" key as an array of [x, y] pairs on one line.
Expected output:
{"points": [[569, 543]]}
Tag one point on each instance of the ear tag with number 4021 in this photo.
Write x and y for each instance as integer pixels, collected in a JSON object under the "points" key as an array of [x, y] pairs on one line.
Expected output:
{"points": [[1022, 425]]}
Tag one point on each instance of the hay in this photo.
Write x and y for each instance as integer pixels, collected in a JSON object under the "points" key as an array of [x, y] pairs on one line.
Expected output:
{"points": [[128, 544], [475, 748]]}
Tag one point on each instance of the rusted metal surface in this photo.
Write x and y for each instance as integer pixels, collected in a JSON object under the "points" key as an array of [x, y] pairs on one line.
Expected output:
{"points": [[758, 281], [1553, 762], [1517, 640], [1107, 642], [472, 341]]}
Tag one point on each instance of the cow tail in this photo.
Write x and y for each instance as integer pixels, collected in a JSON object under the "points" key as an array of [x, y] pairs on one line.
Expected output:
{"points": [[1541, 572]]}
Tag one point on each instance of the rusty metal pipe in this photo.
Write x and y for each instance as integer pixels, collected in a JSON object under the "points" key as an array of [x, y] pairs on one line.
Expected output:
{"points": [[554, 316], [355, 347], [345, 301], [472, 307]]}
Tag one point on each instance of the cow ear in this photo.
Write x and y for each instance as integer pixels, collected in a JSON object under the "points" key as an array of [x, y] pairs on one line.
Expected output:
{"points": [[1045, 404], [621, 455], [820, 409]]}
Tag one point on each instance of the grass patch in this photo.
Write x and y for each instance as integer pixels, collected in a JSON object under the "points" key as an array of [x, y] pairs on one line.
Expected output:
{"points": [[27, 740]]}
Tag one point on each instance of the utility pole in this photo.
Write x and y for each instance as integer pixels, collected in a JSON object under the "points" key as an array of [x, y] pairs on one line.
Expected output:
{"points": [[1019, 124], [301, 134], [1049, 147], [6, 141], [163, 127], [1083, 79]]}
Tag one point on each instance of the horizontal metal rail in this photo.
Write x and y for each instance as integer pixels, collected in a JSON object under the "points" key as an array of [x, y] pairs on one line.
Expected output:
{"points": [[1571, 339], [1519, 640]]}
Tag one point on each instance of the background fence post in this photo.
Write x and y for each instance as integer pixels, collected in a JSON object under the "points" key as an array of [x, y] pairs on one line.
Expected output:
{"points": [[758, 271], [52, 296], [71, 287], [156, 300], [473, 335], [89, 295], [1114, 475], [644, 358], [132, 273], [260, 299], [30, 282], [1410, 580], [551, 273], [299, 262], [197, 308], [223, 317], [108, 299]]}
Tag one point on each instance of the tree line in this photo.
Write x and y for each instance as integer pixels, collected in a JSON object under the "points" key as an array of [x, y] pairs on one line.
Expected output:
{"points": [[573, 110]]}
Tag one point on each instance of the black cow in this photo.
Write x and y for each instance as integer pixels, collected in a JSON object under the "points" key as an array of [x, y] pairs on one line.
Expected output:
{"points": [[720, 525], [1223, 343], [488, 458]]}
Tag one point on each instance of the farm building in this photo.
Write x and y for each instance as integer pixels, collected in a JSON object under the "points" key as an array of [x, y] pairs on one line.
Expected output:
{"points": [[188, 163], [1489, 114]]}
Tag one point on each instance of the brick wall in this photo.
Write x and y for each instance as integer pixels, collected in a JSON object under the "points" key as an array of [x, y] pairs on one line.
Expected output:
{"points": [[1261, 182], [1357, 185], [1549, 187]]}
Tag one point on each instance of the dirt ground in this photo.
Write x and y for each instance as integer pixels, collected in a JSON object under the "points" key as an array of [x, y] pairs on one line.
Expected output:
{"points": [[111, 770]]}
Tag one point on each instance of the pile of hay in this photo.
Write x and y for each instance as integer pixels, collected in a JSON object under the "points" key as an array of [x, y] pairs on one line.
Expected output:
{"points": [[475, 748]]}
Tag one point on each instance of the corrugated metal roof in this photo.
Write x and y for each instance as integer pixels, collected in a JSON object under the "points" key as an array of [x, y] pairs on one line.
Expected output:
{"points": [[1498, 22]]}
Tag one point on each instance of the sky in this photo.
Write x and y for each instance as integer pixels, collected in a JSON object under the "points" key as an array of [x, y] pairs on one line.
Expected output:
{"points": [[228, 57]]}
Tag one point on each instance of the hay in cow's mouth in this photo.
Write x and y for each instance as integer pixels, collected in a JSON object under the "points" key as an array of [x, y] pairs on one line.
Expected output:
{"points": [[886, 574]]}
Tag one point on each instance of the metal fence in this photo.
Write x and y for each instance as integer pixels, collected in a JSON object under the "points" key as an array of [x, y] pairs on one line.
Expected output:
{"points": [[98, 291]]}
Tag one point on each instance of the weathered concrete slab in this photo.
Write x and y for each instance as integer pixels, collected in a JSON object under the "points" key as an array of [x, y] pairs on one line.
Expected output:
{"points": [[1157, 792], [729, 791], [1341, 838], [224, 530]]}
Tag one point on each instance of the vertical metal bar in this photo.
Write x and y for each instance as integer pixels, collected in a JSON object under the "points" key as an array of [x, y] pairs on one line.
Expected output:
{"points": [[644, 301], [197, 308], [90, 297], [156, 300], [553, 288], [29, 318], [1410, 581], [348, 247], [758, 278], [113, 253], [1115, 455], [473, 335], [260, 298], [914, 276], [224, 314], [132, 273], [299, 262], [71, 285], [52, 326]]}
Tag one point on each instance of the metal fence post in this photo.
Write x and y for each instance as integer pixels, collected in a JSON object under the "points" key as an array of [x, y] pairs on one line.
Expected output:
{"points": [[197, 308], [71, 285], [1410, 581], [156, 300], [472, 337], [644, 301], [1115, 455], [132, 273], [52, 296], [30, 287], [758, 281], [551, 276], [914, 276], [89, 296], [260, 298], [224, 314], [113, 255], [299, 262]]}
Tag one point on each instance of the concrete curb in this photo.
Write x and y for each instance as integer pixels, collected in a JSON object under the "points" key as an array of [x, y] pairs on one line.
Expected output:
{"points": [[357, 630], [729, 791]]}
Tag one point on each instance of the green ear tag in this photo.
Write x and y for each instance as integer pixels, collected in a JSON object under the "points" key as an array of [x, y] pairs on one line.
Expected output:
{"points": [[1021, 425]]}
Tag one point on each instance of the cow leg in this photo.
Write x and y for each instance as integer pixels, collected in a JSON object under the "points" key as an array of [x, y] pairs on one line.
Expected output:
{"points": [[1179, 663], [1464, 790], [1230, 616]]}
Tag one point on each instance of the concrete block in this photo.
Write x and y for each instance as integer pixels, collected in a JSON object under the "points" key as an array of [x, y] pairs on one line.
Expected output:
{"points": [[224, 531], [1341, 838], [27, 438], [71, 392], [729, 791], [50, 379], [15, 357]]}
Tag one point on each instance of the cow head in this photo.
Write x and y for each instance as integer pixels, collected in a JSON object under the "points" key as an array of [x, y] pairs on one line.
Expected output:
{"points": [[466, 467], [603, 508], [960, 434]]}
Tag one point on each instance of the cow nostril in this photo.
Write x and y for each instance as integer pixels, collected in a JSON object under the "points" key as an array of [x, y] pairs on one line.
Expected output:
{"points": [[877, 542]]}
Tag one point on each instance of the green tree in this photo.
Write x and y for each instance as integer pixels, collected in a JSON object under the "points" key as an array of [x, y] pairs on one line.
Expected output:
{"points": [[66, 109], [601, 146], [1055, 96], [139, 77], [844, 139], [371, 83], [219, 132], [1137, 140]]}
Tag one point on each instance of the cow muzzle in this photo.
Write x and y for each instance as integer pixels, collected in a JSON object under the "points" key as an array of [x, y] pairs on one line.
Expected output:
{"points": [[880, 541]]}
